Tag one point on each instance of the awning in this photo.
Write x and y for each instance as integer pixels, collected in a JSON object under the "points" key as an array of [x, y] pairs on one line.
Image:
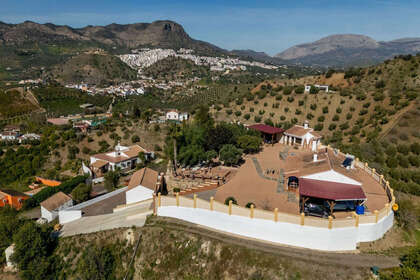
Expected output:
{"points": [[266, 128], [330, 190]]}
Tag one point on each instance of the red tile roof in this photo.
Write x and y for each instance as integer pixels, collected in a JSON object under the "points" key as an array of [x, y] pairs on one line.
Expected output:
{"points": [[330, 190], [266, 128]]}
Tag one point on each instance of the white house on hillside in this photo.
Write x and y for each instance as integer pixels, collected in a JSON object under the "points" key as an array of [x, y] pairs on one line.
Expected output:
{"points": [[53, 204], [121, 157], [174, 115], [303, 136]]}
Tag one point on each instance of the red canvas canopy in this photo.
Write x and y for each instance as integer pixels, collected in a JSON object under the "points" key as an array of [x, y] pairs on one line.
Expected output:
{"points": [[330, 190], [266, 128]]}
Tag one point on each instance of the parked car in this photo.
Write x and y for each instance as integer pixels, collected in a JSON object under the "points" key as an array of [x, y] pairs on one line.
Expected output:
{"points": [[312, 209], [342, 206]]}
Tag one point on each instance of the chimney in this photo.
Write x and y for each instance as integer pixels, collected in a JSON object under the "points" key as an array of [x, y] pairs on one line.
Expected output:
{"points": [[315, 157], [306, 125]]}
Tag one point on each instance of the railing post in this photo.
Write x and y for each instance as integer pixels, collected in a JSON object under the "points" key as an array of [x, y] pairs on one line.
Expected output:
{"points": [[357, 220], [330, 218], [195, 200], [251, 214], [159, 200], [154, 205], [230, 207], [302, 219], [387, 208], [177, 199], [376, 215], [211, 203], [276, 215]]}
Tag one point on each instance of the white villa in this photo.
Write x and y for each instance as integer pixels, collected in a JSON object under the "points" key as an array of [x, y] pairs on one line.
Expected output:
{"points": [[120, 158], [174, 115], [303, 136], [321, 87]]}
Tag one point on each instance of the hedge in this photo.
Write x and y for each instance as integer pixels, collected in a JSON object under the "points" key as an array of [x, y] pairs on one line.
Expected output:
{"points": [[66, 187]]}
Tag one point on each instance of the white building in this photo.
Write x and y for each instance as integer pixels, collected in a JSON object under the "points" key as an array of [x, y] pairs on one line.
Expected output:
{"points": [[174, 115], [143, 184], [51, 206], [120, 158], [321, 87], [303, 136]]}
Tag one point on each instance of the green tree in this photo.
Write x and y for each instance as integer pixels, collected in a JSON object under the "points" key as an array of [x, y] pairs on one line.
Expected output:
{"points": [[111, 180], [81, 192], [249, 144], [33, 252], [230, 155]]}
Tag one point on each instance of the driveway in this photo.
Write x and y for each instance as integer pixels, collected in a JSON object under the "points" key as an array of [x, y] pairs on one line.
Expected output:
{"points": [[130, 216]]}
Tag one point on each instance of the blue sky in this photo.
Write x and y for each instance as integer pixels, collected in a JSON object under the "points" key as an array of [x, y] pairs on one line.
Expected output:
{"points": [[264, 25]]}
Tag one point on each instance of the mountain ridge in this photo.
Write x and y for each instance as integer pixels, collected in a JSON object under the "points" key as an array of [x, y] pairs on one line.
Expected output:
{"points": [[344, 50]]}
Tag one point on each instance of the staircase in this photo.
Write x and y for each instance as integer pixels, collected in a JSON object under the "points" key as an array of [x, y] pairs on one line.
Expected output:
{"points": [[206, 186]]}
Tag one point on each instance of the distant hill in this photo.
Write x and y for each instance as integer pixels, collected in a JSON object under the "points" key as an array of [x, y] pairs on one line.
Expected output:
{"points": [[163, 33], [28, 49], [92, 69], [345, 50]]}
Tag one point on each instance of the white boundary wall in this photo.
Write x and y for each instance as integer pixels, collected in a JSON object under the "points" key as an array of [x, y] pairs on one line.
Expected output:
{"points": [[335, 239]]}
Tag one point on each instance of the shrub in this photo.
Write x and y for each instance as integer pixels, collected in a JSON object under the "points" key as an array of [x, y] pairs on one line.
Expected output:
{"points": [[366, 105], [247, 116], [349, 116], [300, 89], [229, 199], [257, 119], [325, 110], [290, 99], [279, 97], [135, 139], [298, 112], [229, 111], [251, 109], [301, 102], [313, 90], [321, 118], [336, 118], [282, 117], [313, 107], [286, 109], [309, 116], [238, 113], [261, 112], [338, 110], [332, 126], [265, 104], [248, 205], [287, 90], [319, 127]]}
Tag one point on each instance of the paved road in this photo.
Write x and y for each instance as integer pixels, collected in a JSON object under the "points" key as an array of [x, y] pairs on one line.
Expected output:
{"points": [[132, 216]]}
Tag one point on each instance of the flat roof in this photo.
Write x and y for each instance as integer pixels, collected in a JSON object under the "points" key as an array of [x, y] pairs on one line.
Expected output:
{"points": [[330, 190]]}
